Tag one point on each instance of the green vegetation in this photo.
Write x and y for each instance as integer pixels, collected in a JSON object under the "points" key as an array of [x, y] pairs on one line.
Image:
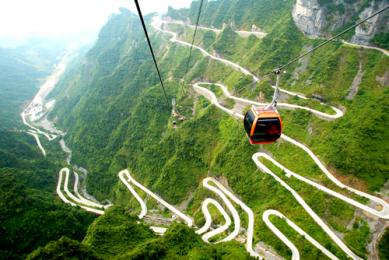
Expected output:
{"points": [[364, 121], [329, 74], [383, 246], [241, 14], [116, 235], [64, 248], [115, 117], [119, 120], [180, 242], [381, 40], [358, 236], [30, 213]]}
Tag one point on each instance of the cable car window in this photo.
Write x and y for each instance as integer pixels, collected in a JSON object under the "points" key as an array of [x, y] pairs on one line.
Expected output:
{"points": [[267, 129], [248, 121]]}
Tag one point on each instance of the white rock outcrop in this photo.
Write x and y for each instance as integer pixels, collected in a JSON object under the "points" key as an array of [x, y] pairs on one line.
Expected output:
{"points": [[316, 20], [308, 17], [366, 31]]}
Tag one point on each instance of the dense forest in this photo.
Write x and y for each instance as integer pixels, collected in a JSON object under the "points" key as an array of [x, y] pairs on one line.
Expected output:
{"points": [[30, 213], [117, 235]]}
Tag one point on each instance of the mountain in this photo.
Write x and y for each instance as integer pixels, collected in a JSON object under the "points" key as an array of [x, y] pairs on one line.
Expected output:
{"points": [[317, 18], [117, 235], [112, 108], [31, 215]]}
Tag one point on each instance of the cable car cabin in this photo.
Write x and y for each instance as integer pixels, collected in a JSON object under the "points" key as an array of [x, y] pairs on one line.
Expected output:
{"points": [[263, 126]]}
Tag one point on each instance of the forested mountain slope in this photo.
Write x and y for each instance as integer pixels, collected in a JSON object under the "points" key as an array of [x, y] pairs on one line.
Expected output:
{"points": [[115, 116], [329, 74], [30, 214]]}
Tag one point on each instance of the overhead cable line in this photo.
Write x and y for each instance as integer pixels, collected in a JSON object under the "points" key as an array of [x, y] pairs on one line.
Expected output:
{"points": [[194, 35], [278, 69], [151, 50]]}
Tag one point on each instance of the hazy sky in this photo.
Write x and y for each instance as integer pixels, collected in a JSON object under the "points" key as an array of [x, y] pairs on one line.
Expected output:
{"points": [[26, 18]]}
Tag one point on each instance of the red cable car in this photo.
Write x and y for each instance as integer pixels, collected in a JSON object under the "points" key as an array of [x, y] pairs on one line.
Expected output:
{"points": [[263, 125]]}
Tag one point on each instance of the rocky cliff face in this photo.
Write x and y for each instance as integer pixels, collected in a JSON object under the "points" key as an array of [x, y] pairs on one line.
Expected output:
{"points": [[321, 17], [308, 16], [366, 31]]}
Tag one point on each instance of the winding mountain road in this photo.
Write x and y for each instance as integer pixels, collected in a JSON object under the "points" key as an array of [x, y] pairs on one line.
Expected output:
{"points": [[260, 34], [223, 196], [38, 142], [222, 192], [156, 24], [126, 178], [34, 112], [35, 131], [241, 33], [338, 112], [292, 247], [236, 200], [77, 202], [355, 45], [84, 200], [49, 137], [35, 108], [383, 213], [307, 208], [208, 220]]}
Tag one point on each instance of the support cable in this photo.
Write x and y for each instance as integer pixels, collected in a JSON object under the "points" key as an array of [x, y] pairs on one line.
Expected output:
{"points": [[326, 42], [194, 35], [151, 50]]}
